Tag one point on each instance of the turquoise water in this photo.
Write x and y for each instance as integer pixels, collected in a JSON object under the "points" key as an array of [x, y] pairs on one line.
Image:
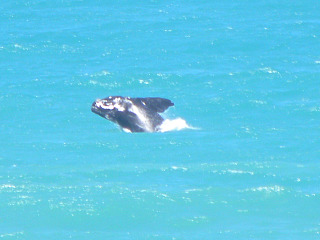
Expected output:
{"points": [[244, 73]]}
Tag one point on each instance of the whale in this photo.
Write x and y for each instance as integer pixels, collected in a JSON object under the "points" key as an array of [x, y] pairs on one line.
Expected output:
{"points": [[133, 114]]}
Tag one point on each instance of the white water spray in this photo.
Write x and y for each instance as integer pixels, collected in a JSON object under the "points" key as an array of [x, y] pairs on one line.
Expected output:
{"points": [[174, 125]]}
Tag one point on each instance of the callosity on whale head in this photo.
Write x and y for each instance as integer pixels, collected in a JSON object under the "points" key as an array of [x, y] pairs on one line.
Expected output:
{"points": [[132, 114], [107, 107]]}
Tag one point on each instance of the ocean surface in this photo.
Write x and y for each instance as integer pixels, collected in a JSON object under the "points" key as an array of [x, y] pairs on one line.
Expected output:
{"points": [[244, 74]]}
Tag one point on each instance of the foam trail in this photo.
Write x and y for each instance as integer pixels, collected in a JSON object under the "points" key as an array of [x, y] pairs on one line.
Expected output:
{"points": [[174, 125]]}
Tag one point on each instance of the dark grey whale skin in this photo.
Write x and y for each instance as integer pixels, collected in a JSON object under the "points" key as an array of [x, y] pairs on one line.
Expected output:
{"points": [[122, 111]]}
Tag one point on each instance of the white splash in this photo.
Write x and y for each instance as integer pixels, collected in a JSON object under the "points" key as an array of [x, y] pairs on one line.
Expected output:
{"points": [[174, 125]]}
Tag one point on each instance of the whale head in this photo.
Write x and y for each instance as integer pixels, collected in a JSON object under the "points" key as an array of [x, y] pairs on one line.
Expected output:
{"points": [[108, 107]]}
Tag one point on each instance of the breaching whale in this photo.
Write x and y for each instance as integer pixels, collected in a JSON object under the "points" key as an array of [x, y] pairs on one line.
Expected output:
{"points": [[133, 114]]}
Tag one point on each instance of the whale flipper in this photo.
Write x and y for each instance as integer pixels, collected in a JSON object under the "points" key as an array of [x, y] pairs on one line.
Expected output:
{"points": [[155, 104]]}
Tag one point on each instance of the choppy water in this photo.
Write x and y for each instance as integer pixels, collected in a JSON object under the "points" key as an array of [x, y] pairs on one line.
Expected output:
{"points": [[244, 73]]}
